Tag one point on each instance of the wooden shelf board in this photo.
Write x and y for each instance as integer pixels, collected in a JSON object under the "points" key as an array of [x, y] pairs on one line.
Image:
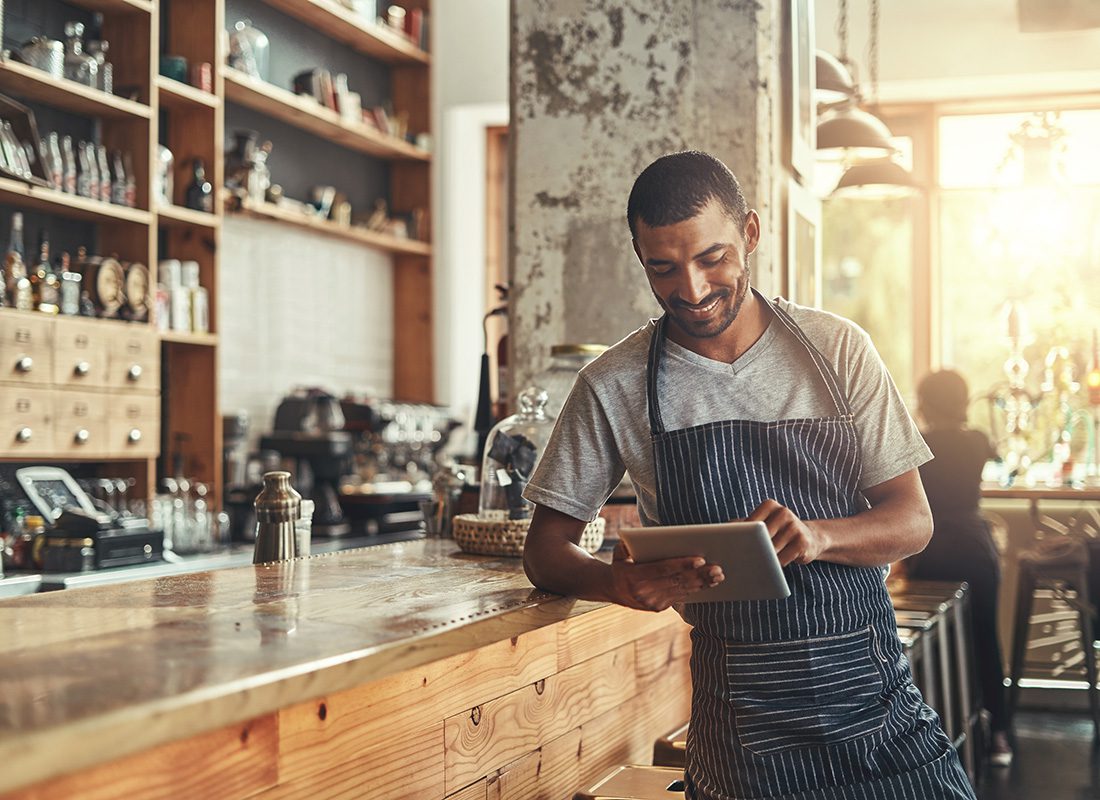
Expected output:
{"points": [[28, 82], [197, 339], [119, 6], [178, 216], [354, 30], [379, 241], [179, 96], [304, 113], [68, 205]]}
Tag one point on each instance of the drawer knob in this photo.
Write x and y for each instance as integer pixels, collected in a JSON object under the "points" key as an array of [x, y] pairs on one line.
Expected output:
{"points": [[23, 435], [25, 364], [82, 368], [135, 372], [81, 436], [135, 436]]}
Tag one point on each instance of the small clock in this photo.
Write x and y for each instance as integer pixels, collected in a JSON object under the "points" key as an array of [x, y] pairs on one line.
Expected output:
{"points": [[105, 280]]}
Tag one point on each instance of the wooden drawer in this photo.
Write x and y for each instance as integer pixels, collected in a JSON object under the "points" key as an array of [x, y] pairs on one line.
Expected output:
{"points": [[134, 359], [80, 355], [25, 422], [26, 350], [133, 425], [80, 424]]}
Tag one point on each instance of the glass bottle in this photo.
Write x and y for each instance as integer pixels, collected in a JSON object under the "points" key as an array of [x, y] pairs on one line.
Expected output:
{"points": [[512, 450], [70, 286], [45, 284], [79, 66], [118, 181], [131, 181], [94, 183], [104, 174], [200, 194], [68, 166], [97, 48], [84, 181], [163, 186], [53, 149], [15, 266]]}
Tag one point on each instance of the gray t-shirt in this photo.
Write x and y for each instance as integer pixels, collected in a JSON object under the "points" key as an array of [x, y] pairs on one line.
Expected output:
{"points": [[603, 430]]}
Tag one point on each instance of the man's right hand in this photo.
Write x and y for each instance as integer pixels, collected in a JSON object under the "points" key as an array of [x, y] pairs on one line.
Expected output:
{"points": [[656, 585]]}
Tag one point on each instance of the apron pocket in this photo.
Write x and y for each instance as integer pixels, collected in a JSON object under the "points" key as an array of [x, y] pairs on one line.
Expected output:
{"points": [[805, 693]]}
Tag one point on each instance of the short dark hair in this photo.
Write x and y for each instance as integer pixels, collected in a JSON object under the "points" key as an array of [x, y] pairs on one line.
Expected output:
{"points": [[676, 186]]}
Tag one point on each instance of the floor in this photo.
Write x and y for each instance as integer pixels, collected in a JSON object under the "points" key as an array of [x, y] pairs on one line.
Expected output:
{"points": [[1054, 760]]}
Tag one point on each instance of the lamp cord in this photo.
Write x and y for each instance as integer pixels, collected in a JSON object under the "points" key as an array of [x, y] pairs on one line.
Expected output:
{"points": [[842, 31], [873, 56]]}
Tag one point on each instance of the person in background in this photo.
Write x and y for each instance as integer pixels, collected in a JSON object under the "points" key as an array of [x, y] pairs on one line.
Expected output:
{"points": [[962, 547]]}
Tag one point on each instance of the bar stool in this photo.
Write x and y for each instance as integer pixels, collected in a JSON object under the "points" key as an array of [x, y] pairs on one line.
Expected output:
{"points": [[670, 750], [636, 783], [1063, 565]]}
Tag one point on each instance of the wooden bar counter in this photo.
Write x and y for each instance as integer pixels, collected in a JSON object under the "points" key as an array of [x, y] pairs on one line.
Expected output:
{"points": [[406, 670]]}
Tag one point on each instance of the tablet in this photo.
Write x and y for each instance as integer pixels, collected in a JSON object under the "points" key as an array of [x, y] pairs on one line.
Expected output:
{"points": [[743, 550]]}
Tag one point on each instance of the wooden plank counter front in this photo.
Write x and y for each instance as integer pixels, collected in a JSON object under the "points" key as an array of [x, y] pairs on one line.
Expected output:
{"points": [[399, 671]]}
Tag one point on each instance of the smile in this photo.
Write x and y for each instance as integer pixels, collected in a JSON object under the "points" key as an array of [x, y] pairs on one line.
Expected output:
{"points": [[704, 310]]}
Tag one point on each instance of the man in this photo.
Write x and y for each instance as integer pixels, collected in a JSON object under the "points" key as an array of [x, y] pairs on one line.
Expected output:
{"points": [[731, 407]]}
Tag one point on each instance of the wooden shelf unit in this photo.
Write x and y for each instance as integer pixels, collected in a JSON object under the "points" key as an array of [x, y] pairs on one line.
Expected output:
{"points": [[359, 235], [312, 117], [194, 339], [24, 81], [179, 96], [353, 30], [409, 167], [176, 216], [117, 6], [72, 206]]}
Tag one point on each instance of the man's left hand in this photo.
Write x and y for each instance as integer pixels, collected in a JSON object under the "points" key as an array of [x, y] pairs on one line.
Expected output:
{"points": [[795, 542]]}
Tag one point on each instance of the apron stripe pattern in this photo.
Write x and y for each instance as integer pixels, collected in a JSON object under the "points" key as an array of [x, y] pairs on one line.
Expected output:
{"points": [[810, 697]]}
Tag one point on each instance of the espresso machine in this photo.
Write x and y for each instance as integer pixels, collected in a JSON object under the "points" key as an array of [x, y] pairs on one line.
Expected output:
{"points": [[309, 433]]}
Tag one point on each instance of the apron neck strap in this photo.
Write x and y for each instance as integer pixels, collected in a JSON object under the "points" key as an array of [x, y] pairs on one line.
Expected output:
{"points": [[824, 368], [656, 346]]}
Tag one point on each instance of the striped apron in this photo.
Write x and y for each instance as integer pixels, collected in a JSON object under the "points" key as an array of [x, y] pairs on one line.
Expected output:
{"points": [[808, 697]]}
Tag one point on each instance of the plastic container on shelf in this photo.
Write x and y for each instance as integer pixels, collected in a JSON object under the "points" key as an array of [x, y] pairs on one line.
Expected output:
{"points": [[566, 361], [512, 450]]}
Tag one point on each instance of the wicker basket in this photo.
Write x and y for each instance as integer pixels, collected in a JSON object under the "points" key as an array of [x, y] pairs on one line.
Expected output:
{"points": [[491, 537]]}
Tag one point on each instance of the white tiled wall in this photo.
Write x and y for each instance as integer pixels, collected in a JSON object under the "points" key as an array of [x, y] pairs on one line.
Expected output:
{"points": [[300, 309]]}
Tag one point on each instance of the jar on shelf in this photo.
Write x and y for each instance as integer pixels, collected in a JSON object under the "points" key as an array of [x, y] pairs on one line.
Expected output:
{"points": [[512, 450], [566, 361], [249, 49]]}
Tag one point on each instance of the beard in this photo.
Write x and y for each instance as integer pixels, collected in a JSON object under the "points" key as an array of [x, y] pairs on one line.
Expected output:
{"points": [[729, 306]]}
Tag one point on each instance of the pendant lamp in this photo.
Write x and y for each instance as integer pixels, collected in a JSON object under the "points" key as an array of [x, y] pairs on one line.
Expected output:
{"points": [[833, 81], [878, 178], [848, 132]]}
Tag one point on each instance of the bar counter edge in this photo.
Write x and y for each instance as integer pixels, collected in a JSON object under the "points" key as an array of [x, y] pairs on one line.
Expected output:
{"points": [[407, 670]]}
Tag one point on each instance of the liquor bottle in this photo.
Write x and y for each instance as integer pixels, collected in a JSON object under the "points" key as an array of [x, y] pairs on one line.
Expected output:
{"points": [[46, 286], [15, 267], [118, 181], [92, 160], [104, 174], [68, 165], [131, 181], [84, 181], [70, 286], [200, 194]]}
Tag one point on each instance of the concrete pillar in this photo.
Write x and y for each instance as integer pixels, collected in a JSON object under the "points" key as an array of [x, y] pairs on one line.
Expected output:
{"points": [[600, 88]]}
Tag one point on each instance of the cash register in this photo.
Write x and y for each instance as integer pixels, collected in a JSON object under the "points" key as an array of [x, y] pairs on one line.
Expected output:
{"points": [[79, 536]]}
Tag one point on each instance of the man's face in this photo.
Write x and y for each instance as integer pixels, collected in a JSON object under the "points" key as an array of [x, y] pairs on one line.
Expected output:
{"points": [[698, 269]]}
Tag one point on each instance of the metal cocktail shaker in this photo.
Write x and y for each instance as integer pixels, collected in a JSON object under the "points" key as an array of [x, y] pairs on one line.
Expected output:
{"points": [[278, 508]]}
